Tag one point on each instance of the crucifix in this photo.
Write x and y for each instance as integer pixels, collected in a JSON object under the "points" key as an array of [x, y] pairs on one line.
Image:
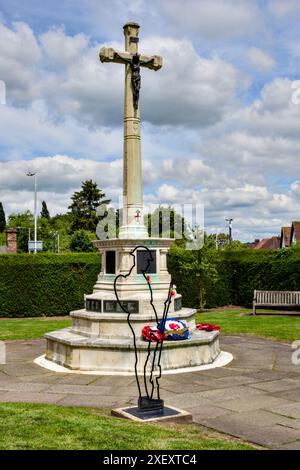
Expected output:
{"points": [[132, 165]]}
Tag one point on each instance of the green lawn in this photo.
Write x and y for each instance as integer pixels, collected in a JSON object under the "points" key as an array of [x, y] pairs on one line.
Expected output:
{"points": [[239, 321], [32, 426], [30, 328], [235, 321]]}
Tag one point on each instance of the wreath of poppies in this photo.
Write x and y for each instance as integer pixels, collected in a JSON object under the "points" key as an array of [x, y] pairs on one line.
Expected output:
{"points": [[207, 327], [152, 333], [174, 330]]}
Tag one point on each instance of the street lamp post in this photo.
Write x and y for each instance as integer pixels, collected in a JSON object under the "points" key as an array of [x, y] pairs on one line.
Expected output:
{"points": [[35, 208], [230, 231]]}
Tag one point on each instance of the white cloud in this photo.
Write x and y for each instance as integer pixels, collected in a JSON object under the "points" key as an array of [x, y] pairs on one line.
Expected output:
{"points": [[214, 19], [260, 59], [19, 57], [65, 73], [284, 8], [58, 177], [261, 139], [62, 49], [189, 90]]}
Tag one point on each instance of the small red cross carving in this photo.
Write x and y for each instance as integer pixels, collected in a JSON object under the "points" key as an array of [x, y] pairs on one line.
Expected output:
{"points": [[138, 216]]}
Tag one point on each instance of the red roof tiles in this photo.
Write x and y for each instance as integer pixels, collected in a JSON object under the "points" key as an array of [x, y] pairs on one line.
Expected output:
{"points": [[268, 244]]}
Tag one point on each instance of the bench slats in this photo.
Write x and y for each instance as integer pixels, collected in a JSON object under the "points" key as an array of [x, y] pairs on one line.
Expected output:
{"points": [[275, 298]]}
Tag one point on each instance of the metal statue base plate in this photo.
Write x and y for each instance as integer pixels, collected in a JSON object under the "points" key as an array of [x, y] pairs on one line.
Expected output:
{"points": [[150, 404], [167, 413]]}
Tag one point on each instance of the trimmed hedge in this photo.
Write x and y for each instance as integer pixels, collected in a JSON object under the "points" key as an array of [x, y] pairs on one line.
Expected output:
{"points": [[262, 269], [45, 284], [239, 274], [51, 284]]}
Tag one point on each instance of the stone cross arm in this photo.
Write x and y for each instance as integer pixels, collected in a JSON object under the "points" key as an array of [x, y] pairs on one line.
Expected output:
{"points": [[108, 54]]}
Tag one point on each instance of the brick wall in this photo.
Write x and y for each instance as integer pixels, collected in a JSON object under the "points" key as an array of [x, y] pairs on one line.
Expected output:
{"points": [[11, 240]]}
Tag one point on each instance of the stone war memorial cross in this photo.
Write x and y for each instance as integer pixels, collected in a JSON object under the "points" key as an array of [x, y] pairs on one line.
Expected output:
{"points": [[133, 226], [106, 335]]}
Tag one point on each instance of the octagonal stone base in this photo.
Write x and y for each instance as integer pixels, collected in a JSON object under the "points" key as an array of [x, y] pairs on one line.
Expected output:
{"points": [[117, 355]]}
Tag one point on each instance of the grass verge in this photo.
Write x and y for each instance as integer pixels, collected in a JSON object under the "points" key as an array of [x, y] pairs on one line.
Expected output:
{"points": [[239, 321], [30, 328], [31, 427]]}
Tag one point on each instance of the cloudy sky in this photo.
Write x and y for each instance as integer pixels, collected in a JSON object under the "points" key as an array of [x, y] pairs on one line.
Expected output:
{"points": [[221, 119]]}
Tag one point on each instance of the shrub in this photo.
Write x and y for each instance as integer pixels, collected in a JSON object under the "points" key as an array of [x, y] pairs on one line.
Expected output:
{"points": [[240, 272], [188, 273], [45, 284]]}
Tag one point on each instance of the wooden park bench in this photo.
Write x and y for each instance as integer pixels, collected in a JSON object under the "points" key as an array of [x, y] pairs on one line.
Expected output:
{"points": [[275, 298]]}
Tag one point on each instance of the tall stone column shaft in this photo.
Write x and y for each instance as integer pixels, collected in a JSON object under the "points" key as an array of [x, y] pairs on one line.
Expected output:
{"points": [[132, 170]]}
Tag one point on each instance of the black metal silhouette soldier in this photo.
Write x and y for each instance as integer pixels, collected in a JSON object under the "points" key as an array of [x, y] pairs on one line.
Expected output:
{"points": [[148, 402]]}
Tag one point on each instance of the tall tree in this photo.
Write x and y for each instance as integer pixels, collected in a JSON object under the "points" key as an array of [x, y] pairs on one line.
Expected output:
{"points": [[44, 212], [81, 242], [165, 222], [84, 206], [2, 218]]}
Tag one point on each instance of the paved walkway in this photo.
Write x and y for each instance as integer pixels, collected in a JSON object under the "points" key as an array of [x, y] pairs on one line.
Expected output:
{"points": [[256, 397]]}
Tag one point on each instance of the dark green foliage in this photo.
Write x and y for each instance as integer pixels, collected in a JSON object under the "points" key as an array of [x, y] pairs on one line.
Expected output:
{"points": [[81, 243], [2, 218], [239, 274], [45, 284], [191, 272], [164, 221], [262, 269], [49, 284], [45, 213], [187, 285], [84, 206]]}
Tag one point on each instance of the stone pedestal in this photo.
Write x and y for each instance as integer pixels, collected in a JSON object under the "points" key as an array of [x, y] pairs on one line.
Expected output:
{"points": [[100, 338]]}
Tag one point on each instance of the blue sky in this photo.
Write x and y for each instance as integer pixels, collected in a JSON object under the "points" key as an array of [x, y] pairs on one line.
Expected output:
{"points": [[220, 119]]}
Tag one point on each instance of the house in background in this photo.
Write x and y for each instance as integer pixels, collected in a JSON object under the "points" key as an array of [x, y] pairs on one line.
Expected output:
{"points": [[267, 244], [285, 237], [295, 232], [289, 236]]}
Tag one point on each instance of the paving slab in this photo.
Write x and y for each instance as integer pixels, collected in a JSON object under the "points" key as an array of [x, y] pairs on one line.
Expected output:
{"points": [[184, 388], [290, 446], [292, 395], [94, 402], [268, 436], [224, 382], [277, 385], [272, 436], [291, 410], [201, 413], [264, 402], [220, 395], [23, 387], [31, 397]]}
